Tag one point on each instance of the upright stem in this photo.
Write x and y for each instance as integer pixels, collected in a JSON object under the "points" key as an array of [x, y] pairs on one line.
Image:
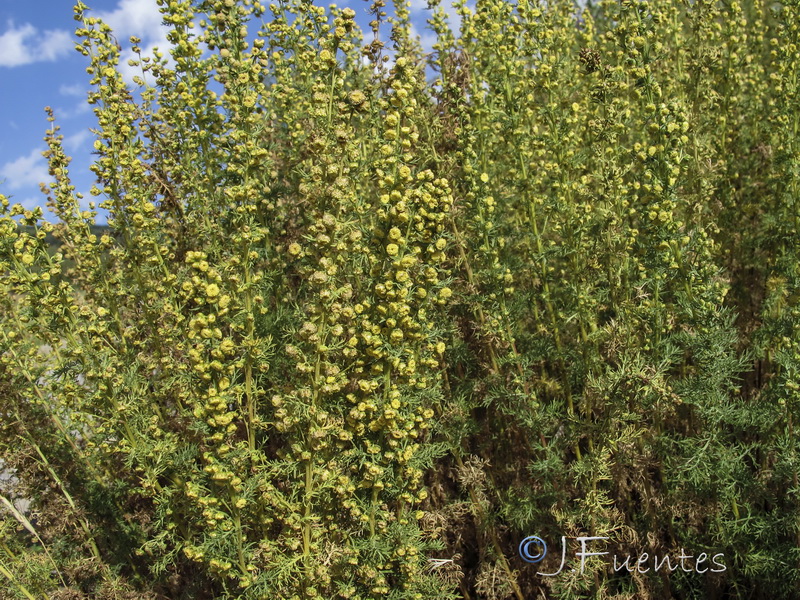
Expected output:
{"points": [[483, 518]]}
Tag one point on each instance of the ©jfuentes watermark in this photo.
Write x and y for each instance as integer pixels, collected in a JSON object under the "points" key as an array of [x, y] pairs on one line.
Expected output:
{"points": [[533, 549]]}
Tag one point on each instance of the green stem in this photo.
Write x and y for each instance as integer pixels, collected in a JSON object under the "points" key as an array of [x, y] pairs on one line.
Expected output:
{"points": [[248, 367], [237, 522], [471, 279], [27, 525], [83, 522], [16, 583], [483, 518]]}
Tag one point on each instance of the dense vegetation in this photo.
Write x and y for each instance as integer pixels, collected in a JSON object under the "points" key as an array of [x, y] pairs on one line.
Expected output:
{"points": [[367, 317]]}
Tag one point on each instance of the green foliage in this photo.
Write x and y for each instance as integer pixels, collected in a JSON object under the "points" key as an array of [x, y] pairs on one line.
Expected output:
{"points": [[361, 323]]}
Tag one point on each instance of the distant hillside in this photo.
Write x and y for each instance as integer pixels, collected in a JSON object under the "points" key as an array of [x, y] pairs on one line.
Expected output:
{"points": [[54, 244]]}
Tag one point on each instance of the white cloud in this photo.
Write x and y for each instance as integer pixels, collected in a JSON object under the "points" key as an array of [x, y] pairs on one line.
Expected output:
{"points": [[55, 43], [26, 44], [76, 89], [420, 8], [142, 19], [427, 38], [82, 107], [12, 46], [73, 142], [420, 13], [25, 171], [29, 203], [135, 17]]}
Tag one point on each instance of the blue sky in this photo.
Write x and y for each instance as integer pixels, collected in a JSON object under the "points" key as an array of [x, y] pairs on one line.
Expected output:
{"points": [[39, 67]]}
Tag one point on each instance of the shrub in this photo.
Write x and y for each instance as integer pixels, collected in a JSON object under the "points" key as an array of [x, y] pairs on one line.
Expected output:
{"points": [[365, 317]]}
